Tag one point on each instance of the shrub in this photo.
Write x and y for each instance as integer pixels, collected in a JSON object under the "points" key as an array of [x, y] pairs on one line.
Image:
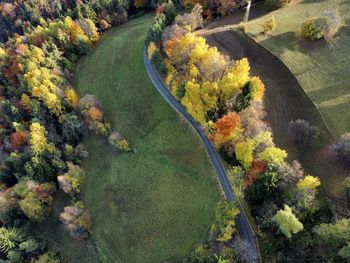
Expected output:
{"points": [[325, 26], [341, 148], [76, 220], [225, 226], [301, 133], [70, 181], [314, 28], [118, 141], [269, 25]]}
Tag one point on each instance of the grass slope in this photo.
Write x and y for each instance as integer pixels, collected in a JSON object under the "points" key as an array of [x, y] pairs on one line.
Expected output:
{"points": [[157, 203], [322, 70]]}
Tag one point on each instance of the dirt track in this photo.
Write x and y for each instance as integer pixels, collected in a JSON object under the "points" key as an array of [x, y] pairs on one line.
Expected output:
{"points": [[285, 100]]}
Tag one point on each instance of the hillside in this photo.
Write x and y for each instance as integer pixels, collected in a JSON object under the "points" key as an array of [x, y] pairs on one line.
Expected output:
{"points": [[322, 69], [158, 202]]}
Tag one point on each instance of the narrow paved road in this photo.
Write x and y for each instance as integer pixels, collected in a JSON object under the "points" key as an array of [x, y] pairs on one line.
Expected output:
{"points": [[242, 222]]}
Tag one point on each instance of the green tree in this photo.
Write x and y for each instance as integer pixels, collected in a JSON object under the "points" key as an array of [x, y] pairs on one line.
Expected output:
{"points": [[287, 222]]}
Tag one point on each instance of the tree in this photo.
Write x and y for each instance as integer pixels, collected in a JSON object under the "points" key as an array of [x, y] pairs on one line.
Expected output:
{"points": [[269, 25], [226, 128], [244, 153], [287, 222], [235, 79], [273, 155], [70, 182], [290, 174], [38, 141], [301, 133], [337, 234], [76, 220], [263, 186], [341, 148], [309, 182], [225, 226], [9, 239]]}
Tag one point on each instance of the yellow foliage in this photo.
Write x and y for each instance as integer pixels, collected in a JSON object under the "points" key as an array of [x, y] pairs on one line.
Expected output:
{"points": [[72, 97], [269, 25], [95, 113], [199, 99], [235, 79], [25, 101], [309, 182], [38, 141], [244, 153], [151, 49], [94, 37], [257, 89], [273, 155], [2, 53]]}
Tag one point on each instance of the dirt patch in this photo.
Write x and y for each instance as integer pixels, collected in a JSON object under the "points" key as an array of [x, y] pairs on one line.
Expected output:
{"points": [[285, 101]]}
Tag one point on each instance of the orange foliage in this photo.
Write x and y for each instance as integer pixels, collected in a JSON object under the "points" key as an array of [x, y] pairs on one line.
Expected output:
{"points": [[226, 128], [18, 139], [95, 113], [258, 167]]}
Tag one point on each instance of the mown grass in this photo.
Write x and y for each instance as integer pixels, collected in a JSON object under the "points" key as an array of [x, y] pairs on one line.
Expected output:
{"points": [[322, 69], [159, 202]]}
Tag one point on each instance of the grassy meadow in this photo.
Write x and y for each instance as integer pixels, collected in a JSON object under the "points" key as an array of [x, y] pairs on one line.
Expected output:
{"points": [[322, 69], [158, 202]]}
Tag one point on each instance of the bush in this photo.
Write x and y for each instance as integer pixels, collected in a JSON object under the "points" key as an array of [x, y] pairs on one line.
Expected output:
{"points": [[341, 148], [70, 181], [301, 133], [314, 28], [118, 141], [325, 26], [76, 220], [269, 25]]}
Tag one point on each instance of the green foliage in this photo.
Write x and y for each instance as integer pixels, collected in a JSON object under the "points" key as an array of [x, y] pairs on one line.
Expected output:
{"points": [[225, 226], [337, 234], [263, 186], [287, 222], [9, 239]]}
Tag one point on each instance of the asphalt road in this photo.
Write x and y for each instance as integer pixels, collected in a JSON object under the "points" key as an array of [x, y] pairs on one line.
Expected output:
{"points": [[245, 230]]}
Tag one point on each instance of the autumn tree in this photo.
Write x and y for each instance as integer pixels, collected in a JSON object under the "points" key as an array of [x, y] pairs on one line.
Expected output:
{"points": [[226, 128], [336, 236], [302, 133], [287, 222]]}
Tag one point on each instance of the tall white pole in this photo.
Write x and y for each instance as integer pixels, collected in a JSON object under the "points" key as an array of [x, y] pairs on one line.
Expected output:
{"points": [[246, 16]]}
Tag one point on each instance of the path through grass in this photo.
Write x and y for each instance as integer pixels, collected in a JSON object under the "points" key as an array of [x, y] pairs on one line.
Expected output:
{"points": [[159, 202]]}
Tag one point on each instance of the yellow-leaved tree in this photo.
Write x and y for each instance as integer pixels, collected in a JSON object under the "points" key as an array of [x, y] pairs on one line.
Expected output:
{"points": [[38, 140], [235, 79]]}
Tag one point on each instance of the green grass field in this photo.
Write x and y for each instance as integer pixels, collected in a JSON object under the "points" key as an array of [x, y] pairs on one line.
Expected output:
{"points": [[159, 202], [322, 69]]}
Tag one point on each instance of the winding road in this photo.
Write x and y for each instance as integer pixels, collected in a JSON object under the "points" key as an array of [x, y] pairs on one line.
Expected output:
{"points": [[244, 227]]}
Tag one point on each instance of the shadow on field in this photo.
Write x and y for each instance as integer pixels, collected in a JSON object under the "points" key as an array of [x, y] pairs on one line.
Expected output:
{"points": [[285, 100]]}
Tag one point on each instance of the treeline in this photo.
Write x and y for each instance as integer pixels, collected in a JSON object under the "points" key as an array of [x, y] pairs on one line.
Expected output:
{"points": [[43, 121], [227, 101]]}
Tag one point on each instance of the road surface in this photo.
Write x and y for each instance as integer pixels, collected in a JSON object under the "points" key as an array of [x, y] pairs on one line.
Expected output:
{"points": [[245, 230]]}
